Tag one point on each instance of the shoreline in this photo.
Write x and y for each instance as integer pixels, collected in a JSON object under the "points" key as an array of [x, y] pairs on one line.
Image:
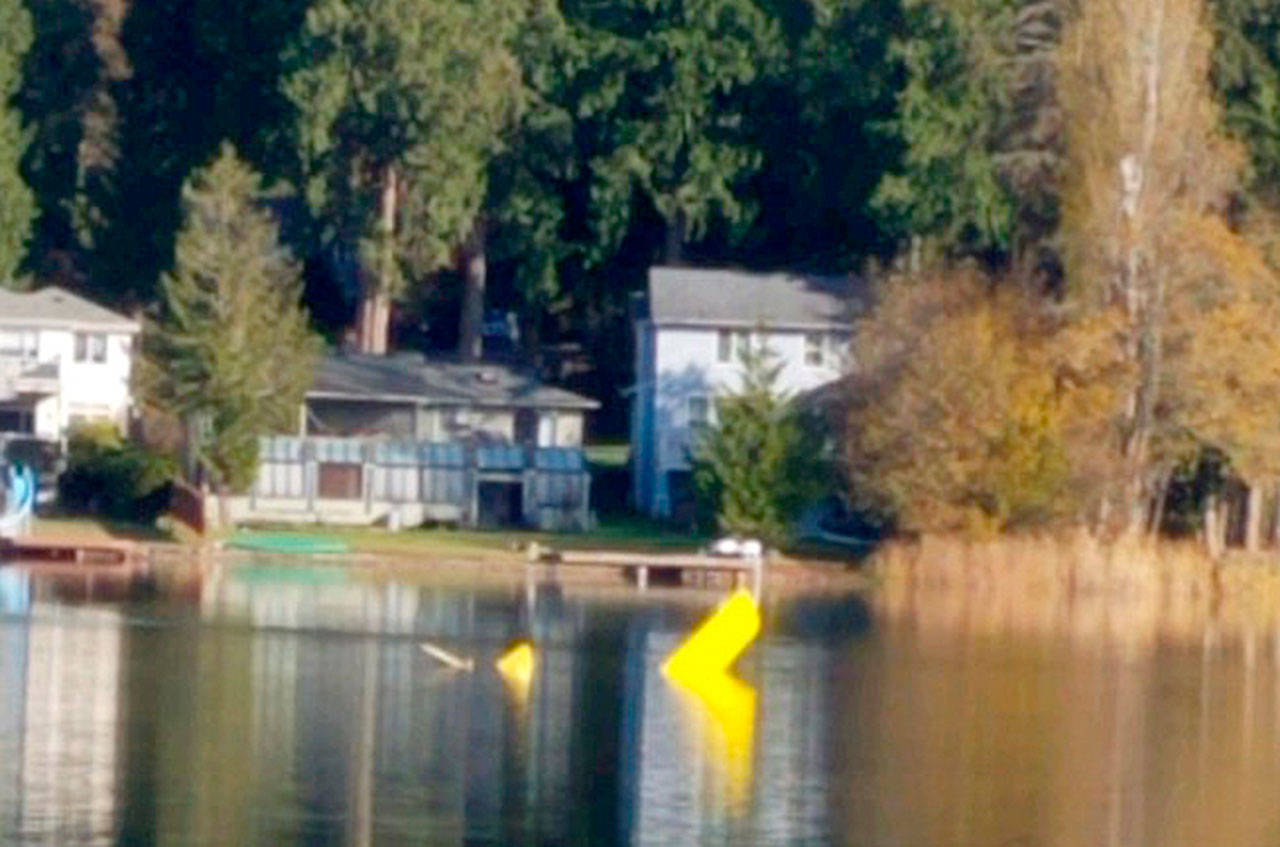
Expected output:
{"points": [[1140, 594]]}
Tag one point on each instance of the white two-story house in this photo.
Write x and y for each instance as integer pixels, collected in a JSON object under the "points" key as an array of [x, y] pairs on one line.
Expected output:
{"points": [[63, 360], [690, 326]]}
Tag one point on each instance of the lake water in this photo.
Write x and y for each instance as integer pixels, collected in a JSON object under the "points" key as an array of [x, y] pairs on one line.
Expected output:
{"points": [[283, 707]]}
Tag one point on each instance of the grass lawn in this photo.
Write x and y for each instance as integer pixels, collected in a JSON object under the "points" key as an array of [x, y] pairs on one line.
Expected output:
{"points": [[613, 534], [89, 528], [612, 455]]}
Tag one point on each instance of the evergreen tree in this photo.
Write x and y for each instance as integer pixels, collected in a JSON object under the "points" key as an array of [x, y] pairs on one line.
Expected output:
{"points": [[232, 354], [401, 105], [750, 468], [1246, 75], [17, 205], [979, 123]]}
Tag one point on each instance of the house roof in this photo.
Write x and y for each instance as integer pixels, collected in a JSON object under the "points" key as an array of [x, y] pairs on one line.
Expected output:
{"points": [[722, 297], [412, 377], [59, 308]]}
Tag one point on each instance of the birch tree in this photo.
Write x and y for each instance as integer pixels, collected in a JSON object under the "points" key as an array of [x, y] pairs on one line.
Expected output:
{"points": [[1147, 238]]}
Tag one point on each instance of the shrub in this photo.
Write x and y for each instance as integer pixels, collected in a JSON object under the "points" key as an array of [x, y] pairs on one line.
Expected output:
{"points": [[113, 478]]}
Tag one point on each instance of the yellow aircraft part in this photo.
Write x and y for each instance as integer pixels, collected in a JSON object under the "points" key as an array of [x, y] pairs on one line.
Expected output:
{"points": [[718, 641], [516, 666], [729, 706]]}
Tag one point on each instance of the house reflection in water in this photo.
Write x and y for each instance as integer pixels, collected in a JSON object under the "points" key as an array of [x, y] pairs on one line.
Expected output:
{"points": [[300, 710], [59, 718]]}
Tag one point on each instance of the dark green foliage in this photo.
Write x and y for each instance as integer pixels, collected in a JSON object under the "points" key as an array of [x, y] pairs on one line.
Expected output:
{"points": [[232, 354], [17, 204], [751, 469], [112, 478], [437, 87], [1247, 76], [198, 73], [979, 123], [816, 117]]}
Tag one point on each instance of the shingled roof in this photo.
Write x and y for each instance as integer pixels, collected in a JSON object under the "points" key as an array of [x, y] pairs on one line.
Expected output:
{"points": [[719, 297], [57, 307], [412, 377]]}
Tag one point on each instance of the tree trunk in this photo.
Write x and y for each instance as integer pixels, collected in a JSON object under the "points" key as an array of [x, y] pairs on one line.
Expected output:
{"points": [[1210, 529], [474, 270], [673, 254], [373, 317], [1157, 509], [1275, 516], [1253, 519]]}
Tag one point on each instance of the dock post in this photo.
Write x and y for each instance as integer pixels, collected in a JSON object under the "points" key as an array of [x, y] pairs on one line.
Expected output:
{"points": [[757, 576], [642, 577]]}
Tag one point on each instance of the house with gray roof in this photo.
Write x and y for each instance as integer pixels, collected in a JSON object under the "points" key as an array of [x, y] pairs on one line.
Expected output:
{"points": [[691, 327], [403, 439], [63, 360]]}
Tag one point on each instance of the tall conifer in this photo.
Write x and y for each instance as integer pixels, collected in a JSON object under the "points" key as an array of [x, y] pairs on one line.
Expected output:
{"points": [[17, 204], [233, 354]]}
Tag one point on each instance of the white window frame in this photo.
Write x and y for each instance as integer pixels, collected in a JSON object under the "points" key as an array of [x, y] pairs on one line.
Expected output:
{"points": [[27, 343], [815, 349], [90, 347]]}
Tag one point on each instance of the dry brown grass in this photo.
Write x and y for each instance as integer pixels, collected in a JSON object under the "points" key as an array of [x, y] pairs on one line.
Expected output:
{"points": [[1075, 584]]}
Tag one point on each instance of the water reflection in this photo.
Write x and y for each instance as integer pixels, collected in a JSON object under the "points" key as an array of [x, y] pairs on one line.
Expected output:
{"points": [[297, 709]]}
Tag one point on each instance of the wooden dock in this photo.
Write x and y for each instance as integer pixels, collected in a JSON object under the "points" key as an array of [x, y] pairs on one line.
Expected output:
{"points": [[645, 565], [96, 552]]}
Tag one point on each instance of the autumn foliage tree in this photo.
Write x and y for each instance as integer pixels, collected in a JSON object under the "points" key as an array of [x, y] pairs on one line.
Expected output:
{"points": [[1148, 239], [973, 405]]}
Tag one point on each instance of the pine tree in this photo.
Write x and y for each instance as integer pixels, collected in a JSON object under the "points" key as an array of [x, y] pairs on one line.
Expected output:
{"points": [[750, 468], [232, 355], [396, 153], [17, 204]]}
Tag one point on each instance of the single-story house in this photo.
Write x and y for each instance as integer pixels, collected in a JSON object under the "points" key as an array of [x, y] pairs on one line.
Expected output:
{"points": [[403, 439]]}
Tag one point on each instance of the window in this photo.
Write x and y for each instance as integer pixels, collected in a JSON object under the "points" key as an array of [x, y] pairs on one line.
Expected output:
{"points": [[732, 344], [838, 347], [699, 411], [91, 347], [18, 343], [813, 348]]}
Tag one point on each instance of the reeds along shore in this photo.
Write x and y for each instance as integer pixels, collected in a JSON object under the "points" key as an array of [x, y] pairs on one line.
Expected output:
{"points": [[1076, 585]]}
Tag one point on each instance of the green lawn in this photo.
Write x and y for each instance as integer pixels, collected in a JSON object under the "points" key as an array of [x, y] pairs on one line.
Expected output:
{"points": [[90, 527], [619, 533], [612, 455]]}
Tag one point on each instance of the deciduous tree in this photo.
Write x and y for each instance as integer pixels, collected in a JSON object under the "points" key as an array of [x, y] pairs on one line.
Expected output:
{"points": [[1148, 238]]}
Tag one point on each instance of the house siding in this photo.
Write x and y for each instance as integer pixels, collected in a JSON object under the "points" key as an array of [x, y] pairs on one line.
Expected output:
{"points": [[85, 390], [684, 364]]}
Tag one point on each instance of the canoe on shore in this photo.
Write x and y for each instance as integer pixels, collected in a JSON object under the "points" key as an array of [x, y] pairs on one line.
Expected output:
{"points": [[284, 543]]}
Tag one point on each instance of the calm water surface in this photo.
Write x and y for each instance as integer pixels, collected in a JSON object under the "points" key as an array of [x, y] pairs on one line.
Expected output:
{"points": [[285, 707]]}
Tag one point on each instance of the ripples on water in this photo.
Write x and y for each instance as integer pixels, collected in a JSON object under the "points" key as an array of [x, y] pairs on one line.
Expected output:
{"points": [[293, 707]]}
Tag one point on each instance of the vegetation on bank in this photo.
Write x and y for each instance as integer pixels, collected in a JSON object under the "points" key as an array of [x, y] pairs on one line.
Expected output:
{"points": [[990, 401]]}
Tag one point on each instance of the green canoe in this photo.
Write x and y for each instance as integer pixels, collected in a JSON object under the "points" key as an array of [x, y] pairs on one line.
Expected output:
{"points": [[282, 543]]}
